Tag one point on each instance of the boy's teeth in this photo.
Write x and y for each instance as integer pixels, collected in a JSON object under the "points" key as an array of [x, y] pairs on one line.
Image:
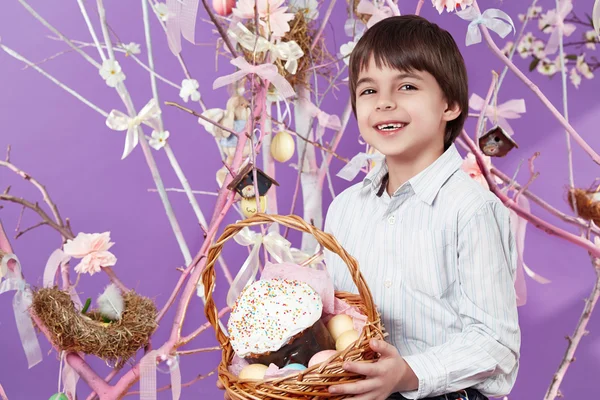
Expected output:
{"points": [[389, 127]]}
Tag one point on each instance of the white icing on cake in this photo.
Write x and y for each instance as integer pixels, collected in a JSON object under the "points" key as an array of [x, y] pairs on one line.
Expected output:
{"points": [[270, 312]]}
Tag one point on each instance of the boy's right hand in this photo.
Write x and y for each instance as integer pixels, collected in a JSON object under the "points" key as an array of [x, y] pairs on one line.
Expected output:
{"points": [[220, 386]]}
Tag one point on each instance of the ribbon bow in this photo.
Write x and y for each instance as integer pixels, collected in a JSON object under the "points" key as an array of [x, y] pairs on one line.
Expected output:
{"points": [[511, 109], [265, 71], [377, 13], [277, 246], [350, 170], [119, 121], [148, 375], [21, 303], [492, 18], [290, 51], [181, 21], [324, 120], [558, 22]]}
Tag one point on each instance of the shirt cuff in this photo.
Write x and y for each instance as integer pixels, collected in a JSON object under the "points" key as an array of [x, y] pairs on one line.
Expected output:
{"points": [[431, 374]]}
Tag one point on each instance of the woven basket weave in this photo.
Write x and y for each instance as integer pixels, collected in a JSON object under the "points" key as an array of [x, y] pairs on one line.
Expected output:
{"points": [[312, 383]]}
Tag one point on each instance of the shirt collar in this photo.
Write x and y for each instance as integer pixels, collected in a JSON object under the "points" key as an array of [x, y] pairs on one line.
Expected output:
{"points": [[427, 183]]}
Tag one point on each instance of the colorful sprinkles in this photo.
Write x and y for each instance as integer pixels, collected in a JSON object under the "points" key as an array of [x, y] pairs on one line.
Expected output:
{"points": [[269, 312]]}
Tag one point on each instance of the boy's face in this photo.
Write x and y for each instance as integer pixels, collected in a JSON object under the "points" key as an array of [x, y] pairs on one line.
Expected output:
{"points": [[401, 114]]}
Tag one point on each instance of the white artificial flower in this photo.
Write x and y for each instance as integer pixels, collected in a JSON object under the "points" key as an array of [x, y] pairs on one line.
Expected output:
{"points": [[546, 20], [547, 67], [590, 38], [132, 48], [558, 63], [575, 77], [537, 49], [532, 12], [158, 139], [508, 47], [163, 11], [345, 51], [583, 67], [525, 45], [189, 88], [308, 7], [111, 72]]}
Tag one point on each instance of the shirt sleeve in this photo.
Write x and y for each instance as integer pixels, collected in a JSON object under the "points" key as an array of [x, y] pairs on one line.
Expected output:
{"points": [[485, 355]]}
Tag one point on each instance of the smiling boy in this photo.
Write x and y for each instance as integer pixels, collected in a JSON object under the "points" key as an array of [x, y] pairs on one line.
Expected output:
{"points": [[435, 247]]}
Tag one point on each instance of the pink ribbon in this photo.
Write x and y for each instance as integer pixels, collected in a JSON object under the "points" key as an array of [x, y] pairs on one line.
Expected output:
{"points": [[148, 375], [325, 120], [511, 109], [265, 71], [377, 14], [181, 21], [59, 259], [560, 28], [21, 303]]}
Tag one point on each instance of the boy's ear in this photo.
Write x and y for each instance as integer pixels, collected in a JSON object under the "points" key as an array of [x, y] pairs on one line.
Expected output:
{"points": [[452, 112]]}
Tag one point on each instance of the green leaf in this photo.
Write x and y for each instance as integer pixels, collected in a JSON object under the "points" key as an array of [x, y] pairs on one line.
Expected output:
{"points": [[571, 57], [534, 64], [591, 21], [87, 305]]}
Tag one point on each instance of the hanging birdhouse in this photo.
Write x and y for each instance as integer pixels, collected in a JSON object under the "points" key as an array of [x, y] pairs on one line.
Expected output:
{"points": [[243, 183], [496, 142]]}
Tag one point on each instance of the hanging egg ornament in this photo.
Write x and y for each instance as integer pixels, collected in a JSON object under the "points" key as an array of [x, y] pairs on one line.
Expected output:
{"points": [[248, 205], [223, 7], [283, 146], [59, 396]]}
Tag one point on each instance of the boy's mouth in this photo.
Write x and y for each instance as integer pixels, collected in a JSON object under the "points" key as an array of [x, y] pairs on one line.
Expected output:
{"points": [[389, 127]]}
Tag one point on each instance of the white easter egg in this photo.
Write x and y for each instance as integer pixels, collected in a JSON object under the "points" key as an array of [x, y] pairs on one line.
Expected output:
{"points": [[282, 146], [346, 339], [339, 324], [253, 372]]}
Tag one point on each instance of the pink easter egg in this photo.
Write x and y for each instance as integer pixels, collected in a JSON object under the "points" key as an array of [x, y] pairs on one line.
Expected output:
{"points": [[223, 7], [321, 356]]}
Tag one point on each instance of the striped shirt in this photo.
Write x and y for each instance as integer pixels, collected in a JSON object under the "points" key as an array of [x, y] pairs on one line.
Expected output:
{"points": [[440, 260]]}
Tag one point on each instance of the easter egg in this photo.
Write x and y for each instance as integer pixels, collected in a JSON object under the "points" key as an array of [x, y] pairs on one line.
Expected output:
{"points": [[253, 372], [295, 366], [248, 206], [59, 396], [223, 7], [346, 339], [339, 324], [282, 146], [321, 356]]}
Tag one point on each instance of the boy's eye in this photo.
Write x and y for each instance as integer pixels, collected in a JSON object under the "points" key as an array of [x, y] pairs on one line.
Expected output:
{"points": [[407, 87], [367, 91]]}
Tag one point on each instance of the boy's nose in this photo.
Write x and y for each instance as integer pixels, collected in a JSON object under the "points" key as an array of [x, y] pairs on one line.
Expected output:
{"points": [[385, 105]]}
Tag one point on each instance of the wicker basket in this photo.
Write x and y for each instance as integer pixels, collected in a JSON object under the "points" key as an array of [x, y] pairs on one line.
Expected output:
{"points": [[312, 383]]}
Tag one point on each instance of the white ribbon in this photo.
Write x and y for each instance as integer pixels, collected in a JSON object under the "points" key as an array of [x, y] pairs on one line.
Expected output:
{"points": [[21, 303], [357, 162], [59, 259], [596, 17], [324, 120], [508, 110], [148, 375], [494, 19], [275, 244], [560, 28], [290, 51], [120, 121]]}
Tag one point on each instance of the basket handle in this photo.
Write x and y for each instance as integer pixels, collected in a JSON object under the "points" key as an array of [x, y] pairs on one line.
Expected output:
{"points": [[290, 221]]}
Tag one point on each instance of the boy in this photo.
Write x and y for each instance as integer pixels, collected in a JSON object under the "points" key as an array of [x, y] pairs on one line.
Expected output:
{"points": [[435, 248]]}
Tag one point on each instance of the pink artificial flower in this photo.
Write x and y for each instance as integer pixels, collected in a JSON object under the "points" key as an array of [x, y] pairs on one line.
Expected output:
{"points": [[471, 167], [271, 13], [93, 249], [450, 5]]}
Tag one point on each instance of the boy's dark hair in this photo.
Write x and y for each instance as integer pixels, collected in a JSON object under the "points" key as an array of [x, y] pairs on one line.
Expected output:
{"points": [[408, 43]]}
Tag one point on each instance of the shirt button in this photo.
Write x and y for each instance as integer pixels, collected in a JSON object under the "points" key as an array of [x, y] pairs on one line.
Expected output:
{"points": [[392, 219], [388, 283]]}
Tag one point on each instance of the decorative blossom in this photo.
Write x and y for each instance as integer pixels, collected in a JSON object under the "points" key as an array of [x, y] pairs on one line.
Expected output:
{"points": [[111, 72], [92, 248], [163, 11], [508, 47], [547, 67], [471, 167], [189, 88], [308, 7], [525, 46], [532, 13], [538, 49], [590, 38], [159, 139], [131, 48], [450, 5], [271, 14], [575, 78], [345, 51], [583, 67]]}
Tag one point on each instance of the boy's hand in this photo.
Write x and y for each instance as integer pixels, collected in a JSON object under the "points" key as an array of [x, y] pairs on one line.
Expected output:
{"points": [[387, 375], [220, 386]]}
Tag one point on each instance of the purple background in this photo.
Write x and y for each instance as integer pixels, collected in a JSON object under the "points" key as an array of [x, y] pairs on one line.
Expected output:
{"points": [[67, 147]]}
